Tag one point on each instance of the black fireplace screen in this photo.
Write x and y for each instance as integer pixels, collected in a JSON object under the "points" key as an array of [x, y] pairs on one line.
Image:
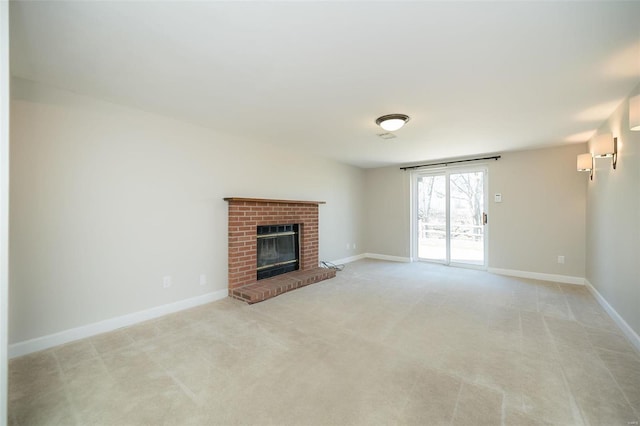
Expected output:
{"points": [[278, 250]]}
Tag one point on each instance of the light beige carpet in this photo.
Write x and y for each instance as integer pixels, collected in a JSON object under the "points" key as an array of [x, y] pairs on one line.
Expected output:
{"points": [[383, 343]]}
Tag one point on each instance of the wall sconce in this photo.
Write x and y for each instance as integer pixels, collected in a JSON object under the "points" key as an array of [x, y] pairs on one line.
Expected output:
{"points": [[606, 146], [634, 113], [585, 164]]}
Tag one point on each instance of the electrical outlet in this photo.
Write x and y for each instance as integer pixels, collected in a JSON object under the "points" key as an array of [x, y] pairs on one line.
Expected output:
{"points": [[560, 259], [203, 279], [354, 246], [166, 281], [348, 246]]}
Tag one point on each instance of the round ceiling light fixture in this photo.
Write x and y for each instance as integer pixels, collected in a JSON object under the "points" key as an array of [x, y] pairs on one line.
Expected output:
{"points": [[392, 122]]}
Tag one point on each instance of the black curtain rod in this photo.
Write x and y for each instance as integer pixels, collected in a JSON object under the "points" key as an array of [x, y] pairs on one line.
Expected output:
{"points": [[495, 157]]}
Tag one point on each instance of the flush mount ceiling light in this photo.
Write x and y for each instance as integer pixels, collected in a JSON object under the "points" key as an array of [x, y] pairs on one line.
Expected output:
{"points": [[392, 122]]}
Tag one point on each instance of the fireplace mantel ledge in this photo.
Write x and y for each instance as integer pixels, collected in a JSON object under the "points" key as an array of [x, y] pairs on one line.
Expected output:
{"points": [[266, 200]]}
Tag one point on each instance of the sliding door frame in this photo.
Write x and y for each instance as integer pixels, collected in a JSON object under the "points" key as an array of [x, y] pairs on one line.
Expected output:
{"points": [[447, 171]]}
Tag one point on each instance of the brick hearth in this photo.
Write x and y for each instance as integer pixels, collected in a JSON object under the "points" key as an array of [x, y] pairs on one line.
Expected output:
{"points": [[245, 215], [272, 287]]}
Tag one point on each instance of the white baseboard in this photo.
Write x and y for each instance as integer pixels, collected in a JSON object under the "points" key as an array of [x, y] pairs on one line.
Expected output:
{"points": [[387, 257], [66, 336], [370, 256], [347, 259], [626, 328], [566, 279]]}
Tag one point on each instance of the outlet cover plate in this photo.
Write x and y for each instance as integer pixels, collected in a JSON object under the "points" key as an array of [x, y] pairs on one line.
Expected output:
{"points": [[166, 281]]}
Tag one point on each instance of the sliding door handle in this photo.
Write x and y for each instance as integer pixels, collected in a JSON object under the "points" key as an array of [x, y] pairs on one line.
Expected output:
{"points": [[484, 218]]}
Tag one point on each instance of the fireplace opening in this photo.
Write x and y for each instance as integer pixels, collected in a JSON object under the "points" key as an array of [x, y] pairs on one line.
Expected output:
{"points": [[277, 250]]}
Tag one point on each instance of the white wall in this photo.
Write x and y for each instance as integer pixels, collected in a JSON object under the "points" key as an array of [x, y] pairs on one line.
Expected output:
{"points": [[387, 211], [106, 200], [613, 221], [4, 203], [542, 214]]}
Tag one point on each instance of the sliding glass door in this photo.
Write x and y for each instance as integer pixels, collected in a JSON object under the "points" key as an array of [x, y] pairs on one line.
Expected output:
{"points": [[450, 216]]}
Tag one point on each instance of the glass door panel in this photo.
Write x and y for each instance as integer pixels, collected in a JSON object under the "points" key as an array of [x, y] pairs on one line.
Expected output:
{"points": [[432, 218], [466, 192]]}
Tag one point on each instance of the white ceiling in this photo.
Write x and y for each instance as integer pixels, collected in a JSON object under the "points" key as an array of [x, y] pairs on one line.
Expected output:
{"points": [[475, 77]]}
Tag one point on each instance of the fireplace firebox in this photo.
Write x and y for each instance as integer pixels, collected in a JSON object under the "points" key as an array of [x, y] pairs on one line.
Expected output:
{"points": [[278, 250]]}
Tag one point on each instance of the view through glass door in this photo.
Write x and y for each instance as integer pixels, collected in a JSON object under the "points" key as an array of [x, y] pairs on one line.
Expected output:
{"points": [[451, 216]]}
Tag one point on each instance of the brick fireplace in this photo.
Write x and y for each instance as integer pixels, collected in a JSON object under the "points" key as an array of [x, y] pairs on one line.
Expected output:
{"points": [[245, 216]]}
